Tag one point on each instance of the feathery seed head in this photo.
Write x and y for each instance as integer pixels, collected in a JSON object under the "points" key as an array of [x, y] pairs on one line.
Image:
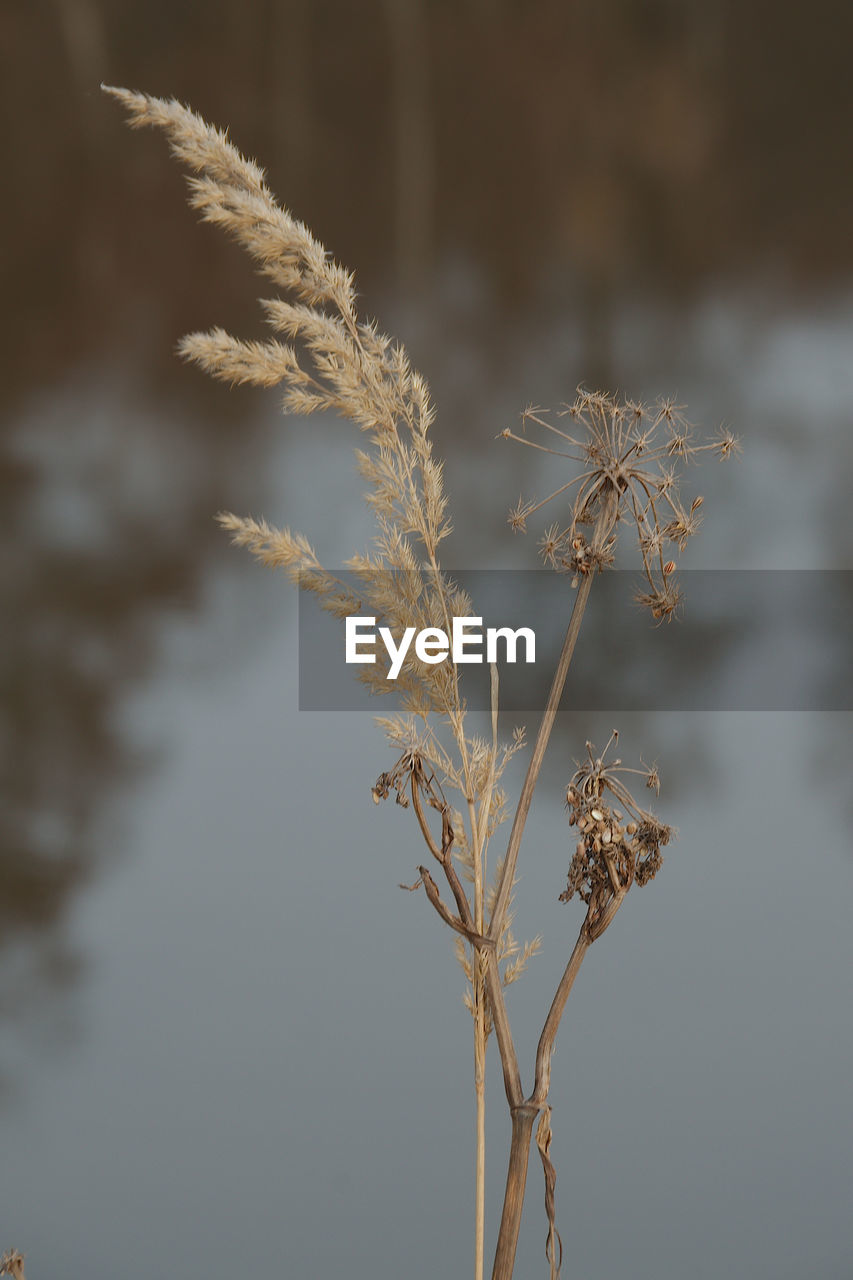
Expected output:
{"points": [[325, 359]]}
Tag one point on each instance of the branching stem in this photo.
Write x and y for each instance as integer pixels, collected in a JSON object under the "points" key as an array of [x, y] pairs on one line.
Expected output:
{"points": [[524, 1114], [603, 526]]}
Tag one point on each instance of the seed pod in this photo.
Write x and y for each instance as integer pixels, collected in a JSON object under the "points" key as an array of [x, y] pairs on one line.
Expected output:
{"points": [[580, 848], [631, 828], [669, 568], [597, 814], [606, 836]]}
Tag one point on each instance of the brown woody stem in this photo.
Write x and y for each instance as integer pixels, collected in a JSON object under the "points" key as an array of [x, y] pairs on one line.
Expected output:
{"points": [[552, 1022], [523, 1117], [524, 1113], [503, 1035], [603, 526]]}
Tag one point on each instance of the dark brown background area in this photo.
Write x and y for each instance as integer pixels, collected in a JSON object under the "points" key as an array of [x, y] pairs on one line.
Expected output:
{"points": [[618, 145]]}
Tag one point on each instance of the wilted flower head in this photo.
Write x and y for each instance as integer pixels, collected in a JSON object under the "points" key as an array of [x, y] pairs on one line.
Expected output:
{"points": [[630, 455], [617, 845]]}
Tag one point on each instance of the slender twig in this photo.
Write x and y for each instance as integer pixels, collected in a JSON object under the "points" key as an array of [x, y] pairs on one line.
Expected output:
{"points": [[434, 896], [552, 1022], [517, 1171], [478, 824], [422, 822], [588, 934], [603, 526], [443, 855], [503, 1035], [480, 1100], [480, 839]]}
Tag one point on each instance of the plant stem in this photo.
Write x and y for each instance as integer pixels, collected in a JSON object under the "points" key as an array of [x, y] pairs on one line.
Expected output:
{"points": [[546, 725], [480, 1089], [517, 1172], [549, 1032], [523, 1117], [524, 1114], [503, 1035], [477, 846], [603, 526]]}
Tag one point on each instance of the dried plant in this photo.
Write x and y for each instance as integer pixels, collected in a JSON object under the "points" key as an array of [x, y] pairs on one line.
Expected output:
{"points": [[631, 454], [12, 1264], [326, 358]]}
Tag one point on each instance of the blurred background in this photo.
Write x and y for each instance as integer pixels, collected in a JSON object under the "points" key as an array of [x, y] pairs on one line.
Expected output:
{"points": [[226, 1039]]}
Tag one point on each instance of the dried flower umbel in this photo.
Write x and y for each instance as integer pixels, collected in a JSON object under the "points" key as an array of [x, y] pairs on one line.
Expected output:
{"points": [[326, 358], [617, 846], [630, 455]]}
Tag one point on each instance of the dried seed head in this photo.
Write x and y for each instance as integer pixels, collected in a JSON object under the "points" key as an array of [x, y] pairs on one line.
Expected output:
{"points": [[608, 858], [623, 463]]}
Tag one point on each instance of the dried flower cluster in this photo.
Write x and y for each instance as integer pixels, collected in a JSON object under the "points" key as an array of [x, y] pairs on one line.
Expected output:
{"points": [[617, 846], [12, 1264], [630, 454]]}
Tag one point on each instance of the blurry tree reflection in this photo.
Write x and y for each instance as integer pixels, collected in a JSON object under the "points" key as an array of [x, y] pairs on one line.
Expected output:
{"points": [[580, 151], [107, 511]]}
